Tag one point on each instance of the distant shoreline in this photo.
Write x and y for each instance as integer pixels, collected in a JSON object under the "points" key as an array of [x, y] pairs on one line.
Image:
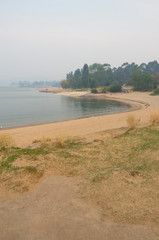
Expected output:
{"points": [[132, 107]]}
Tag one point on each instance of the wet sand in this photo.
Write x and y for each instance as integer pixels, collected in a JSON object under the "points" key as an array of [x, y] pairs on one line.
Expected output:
{"points": [[142, 105]]}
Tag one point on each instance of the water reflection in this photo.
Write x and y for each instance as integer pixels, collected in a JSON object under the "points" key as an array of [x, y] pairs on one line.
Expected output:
{"points": [[92, 106], [23, 107]]}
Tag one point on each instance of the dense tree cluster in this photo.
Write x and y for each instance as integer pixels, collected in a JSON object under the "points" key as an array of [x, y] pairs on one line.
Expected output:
{"points": [[142, 81], [143, 78]]}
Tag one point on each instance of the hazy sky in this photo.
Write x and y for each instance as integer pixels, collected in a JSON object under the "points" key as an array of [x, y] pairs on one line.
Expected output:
{"points": [[45, 39]]}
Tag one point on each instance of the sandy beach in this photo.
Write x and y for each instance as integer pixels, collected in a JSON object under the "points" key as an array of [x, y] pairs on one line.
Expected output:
{"points": [[142, 105]]}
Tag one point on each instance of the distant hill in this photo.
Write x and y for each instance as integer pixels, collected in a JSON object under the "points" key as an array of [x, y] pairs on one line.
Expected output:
{"points": [[37, 84]]}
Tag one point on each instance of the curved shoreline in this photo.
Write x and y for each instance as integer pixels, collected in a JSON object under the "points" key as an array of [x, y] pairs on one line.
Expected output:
{"points": [[133, 107], [141, 104]]}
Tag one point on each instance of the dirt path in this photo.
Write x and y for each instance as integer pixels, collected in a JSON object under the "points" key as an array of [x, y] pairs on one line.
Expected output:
{"points": [[55, 211]]}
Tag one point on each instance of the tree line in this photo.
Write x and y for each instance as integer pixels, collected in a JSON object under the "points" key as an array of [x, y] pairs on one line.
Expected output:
{"points": [[143, 78]]}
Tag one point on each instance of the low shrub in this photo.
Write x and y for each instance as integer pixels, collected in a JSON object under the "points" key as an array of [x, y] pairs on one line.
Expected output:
{"points": [[115, 87], [6, 141], [154, 117], [94, 90], [104, 89], [61, 142], [132, 121], [155, 92]]}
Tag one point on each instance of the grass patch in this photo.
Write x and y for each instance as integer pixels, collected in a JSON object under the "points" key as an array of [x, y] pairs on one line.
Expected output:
{"points": [[31, 169], [12, 154], [120, 175], [35, 151]]}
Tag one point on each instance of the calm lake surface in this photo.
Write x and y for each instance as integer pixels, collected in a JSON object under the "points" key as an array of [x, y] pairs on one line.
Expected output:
{"points": [[23, 106]]}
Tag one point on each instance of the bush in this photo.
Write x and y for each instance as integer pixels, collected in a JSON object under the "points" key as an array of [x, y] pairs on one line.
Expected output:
{"points": [[141, 81], [115, 87], [154, 117], [155, 92], [132, 121], [6, 141], [104, 89], [94, 90]]}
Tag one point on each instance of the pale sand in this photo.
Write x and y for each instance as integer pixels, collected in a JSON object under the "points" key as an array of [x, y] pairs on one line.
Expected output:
{"points": [[64, 92], [142, 104], [54, 211], [74, 93]]}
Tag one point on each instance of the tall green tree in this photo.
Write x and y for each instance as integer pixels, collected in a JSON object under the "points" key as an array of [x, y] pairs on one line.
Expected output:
{"points": [[93, 83], [96, 67], [64, 84], [85, 76], [77, 78], [136, 79], [141, 81]]}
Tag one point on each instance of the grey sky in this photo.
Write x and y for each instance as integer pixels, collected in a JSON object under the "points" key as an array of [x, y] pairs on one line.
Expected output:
{"points": [[45, 39]]}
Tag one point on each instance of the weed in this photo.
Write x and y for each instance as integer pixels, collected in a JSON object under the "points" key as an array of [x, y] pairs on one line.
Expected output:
{"points": [[45, 140], [63, 142], [99, 177], [154, 117], [31, 169], [60, 142], [34, 171], [6, 141], [132, 121], [134, 173]]}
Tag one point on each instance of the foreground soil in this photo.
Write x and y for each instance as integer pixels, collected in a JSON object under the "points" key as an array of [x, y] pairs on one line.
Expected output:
{"points": [[54, 211]]}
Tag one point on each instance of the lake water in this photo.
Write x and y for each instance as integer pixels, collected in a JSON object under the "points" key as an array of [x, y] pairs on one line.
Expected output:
{"points": [[22, 106]]}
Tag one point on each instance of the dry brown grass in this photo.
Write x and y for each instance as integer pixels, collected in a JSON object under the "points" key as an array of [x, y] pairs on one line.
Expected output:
{"points": [[119, 174], [43, 141], [61, 141], [132, 121], [154, 117], [6, 141]]}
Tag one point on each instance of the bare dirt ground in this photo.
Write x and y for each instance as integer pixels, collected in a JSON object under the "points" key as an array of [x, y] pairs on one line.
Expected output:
{"points": [[55, 211]]}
